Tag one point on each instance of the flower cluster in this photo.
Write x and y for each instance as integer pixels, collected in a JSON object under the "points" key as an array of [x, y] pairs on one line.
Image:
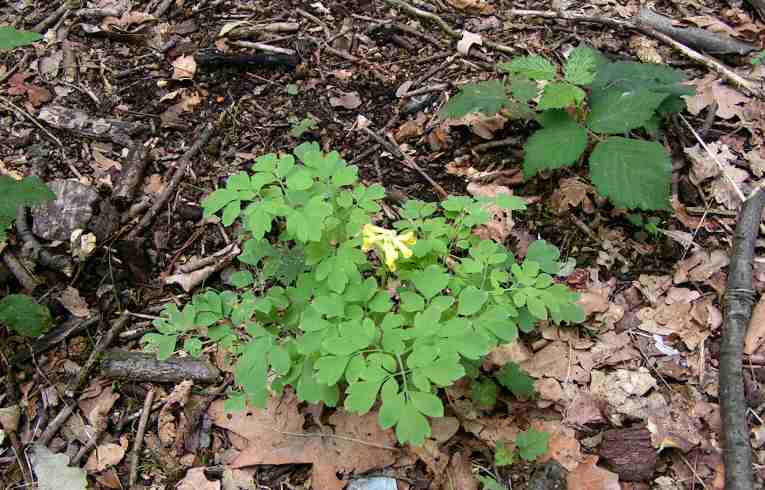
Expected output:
{"points": [[390, 243]]}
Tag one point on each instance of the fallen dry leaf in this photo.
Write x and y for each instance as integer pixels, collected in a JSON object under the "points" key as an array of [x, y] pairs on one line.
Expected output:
{"points": [[350, 100], [106, 455], [98, 407], [588, 476], [501, 222], [195, 479], [468, 40], [72, 301], [184, 68], [573, 192], [563, 446]]}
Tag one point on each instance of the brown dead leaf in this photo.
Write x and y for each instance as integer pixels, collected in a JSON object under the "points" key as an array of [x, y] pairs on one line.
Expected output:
{"points": [[480, 124], [460, 472], [675, 424], [501, 223], [563, 446], [37, 95], [493, 430], [585, 409], [349, 100], [700, 266], [474, 5], [755, 335], [98, 408], [184, 68], [106, 455], [730, 102], [516, 352], [411, 129], [436, 461], [443, 428], [588, 476], [127, 20], [554, 361], [266, 430], [154, 184], [573, 192], [108, 479], [196, 480], [467, 41], [72, 301], [168, 423]]}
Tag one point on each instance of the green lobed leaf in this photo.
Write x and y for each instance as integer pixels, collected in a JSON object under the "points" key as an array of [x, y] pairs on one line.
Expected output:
{"points": [[427, 403], [412, 426], [560, 143], [361, 396], [532, 444], [512, 377], [546, 255], [23, 315], [430, 281], [471, 300], [632, 173], [485, 97], [534, 67]]}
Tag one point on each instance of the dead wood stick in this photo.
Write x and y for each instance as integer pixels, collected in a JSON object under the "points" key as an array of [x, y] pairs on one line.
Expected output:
{"points": [[139, 438], [10, 420], [91, 126], [739, 299], [25, 278], [132, 176], [180, 171], [52, 18], [79, 381], [140, 366]]}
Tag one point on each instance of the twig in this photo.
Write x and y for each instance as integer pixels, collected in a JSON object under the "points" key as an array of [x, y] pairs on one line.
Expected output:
{"points": [[180, 171], [52, 18], [335, 436], [139, 438], [10, 105], [714, 157], [79, 381], [739, 299], [267, 48], [27, 280], [395, 151]]}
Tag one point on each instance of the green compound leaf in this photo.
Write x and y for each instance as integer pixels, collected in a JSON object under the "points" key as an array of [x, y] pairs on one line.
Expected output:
{"points": [[391, 410], [471, 300], [534, 67], [532, 444], [617, 110], [430, 281], [162, 345], [490, 483], [427, 403], [13, 38], [484, 392], [23, 315], [631, 75], [486, 97], [503, 454], [218, 200], [362, 395], [546, 255], [560, 95], [581, 66], [300, 180], [329, 369], [560, 143], [512, 377], [632, 173], [412, 426]]}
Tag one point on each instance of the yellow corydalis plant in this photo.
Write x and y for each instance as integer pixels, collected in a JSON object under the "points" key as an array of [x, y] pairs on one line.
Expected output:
{"points": [[389, 243]]}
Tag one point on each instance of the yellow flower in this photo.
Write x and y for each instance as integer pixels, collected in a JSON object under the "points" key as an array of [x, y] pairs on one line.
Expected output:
{"points": [[388, 242]]}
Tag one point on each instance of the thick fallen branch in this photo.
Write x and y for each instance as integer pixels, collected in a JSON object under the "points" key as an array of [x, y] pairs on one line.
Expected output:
{"points": [[91, 126], [739, 299], [137, 366]]}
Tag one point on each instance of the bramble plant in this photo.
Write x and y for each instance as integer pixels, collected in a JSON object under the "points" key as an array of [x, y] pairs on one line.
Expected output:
{"points": [[13, 38], [327, 302], [22, 314], [594, 102]]}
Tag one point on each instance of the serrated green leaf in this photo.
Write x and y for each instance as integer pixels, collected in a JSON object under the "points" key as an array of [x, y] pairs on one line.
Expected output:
{"points": [[484, 392], [524, 89], [361, 396], [631, 75], [632, 173], [532, 444], [471, 300], [512, 377], [485, 97], [534, 67], [558, 144], [581, 66], [194, 347], [13, 38], [616, 110], [559, 95], [427, 403], [412, 426], [23, 315], [280, 359]]}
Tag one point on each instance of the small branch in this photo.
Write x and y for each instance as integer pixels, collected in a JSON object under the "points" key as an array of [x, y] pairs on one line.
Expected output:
{"points": [[139, 438], [52, 18], [739, 298], [139, 366], [25, 278], [180, 171]]}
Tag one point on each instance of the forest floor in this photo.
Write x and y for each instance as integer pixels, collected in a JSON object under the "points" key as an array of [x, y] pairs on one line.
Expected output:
{"points": [[630, 397]]}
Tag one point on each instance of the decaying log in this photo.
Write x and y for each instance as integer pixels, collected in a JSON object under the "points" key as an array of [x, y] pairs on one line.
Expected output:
{"points": [[139, 366], [629, 453]]}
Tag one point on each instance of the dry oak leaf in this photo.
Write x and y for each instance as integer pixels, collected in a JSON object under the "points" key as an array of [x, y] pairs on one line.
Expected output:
{"points": [[72, 301], [106, 455], [588, 476], [196, 480], [350, 100], [573, 192], [184, 68], [755, 335], [272, 440], [563, 446]]}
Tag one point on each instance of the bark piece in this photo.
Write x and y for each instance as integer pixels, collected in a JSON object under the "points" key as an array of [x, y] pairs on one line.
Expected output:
{"points": [[72, 209], [139, 366], [629, 453], [91, 126]]}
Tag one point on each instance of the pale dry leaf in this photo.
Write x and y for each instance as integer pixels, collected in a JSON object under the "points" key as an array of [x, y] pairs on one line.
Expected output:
{"points": [[154, 185], [105, 455], [443, 428], [71, 300], [475, 5], [589, 476], [756, 160], [705, 166], [501, 222], [98, 408], [573, 192], [467, 41], [563, 446], [184, 68], [460, 472], [724, 191], [349, 100], [755, 335], [195, 479]]}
